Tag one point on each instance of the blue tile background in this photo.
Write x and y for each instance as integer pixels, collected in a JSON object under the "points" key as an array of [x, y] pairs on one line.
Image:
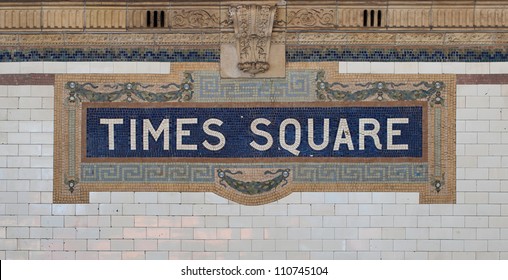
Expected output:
{"points": [[236, 129]]}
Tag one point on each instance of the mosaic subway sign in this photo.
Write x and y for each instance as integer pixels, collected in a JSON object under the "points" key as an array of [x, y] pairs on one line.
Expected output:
{"points": [[255, 141]]}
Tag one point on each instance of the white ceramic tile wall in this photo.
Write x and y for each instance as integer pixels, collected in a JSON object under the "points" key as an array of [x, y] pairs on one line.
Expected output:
{"points": [[85, 67], [300, 226]]}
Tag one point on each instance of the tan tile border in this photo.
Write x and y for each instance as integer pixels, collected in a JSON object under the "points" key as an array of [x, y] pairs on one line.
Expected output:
{"points": [[427, 191]]}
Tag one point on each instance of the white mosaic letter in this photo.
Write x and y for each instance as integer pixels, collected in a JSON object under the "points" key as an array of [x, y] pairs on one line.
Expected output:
{"points": [[111, 130], [343, 130], [371, 133], [298, 136], [180, 133], [220, 136], [390, 132], [254, 128], [149, 129], [133, 135], [326, 136]]}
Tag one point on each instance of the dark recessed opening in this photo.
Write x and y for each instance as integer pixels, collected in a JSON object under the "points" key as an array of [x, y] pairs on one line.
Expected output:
{"points": [[379, 18], [155, 19], [371, 17], [365, 15], [148, 19], [163, 23]]}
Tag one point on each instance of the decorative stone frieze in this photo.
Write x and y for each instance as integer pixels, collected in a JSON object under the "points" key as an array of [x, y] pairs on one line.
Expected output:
{"points": [[209, 16], [277, 38], [195, 18]]}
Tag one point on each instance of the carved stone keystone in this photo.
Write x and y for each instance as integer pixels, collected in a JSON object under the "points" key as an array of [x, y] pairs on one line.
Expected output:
{"points": [[253, 53], [253, 30]]}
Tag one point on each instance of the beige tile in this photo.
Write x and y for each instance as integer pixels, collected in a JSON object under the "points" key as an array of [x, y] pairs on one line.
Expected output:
{"points": [[78, 67], [430, 68], [54, 67], [498, 67], [358, 67], [382, 67], [102, 67], [125, 67], [454, 68], [477, 67], [148, 67], [31, 67], [9, 67]]}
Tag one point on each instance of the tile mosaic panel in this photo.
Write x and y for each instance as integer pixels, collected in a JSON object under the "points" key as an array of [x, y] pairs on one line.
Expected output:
{"points": [[255, 141]]}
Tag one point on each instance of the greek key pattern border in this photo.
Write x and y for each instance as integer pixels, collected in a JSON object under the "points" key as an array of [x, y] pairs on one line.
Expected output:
{"points": [[302, 173]]}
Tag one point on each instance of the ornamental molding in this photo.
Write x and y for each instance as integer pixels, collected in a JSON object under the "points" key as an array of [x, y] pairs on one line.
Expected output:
{"points": [[314, 18], [213, 16], [71, 40], [187, 18], [253, 26]]}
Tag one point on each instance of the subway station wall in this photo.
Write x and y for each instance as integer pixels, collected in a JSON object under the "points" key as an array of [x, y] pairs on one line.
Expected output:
{"points": [[203, 225]]}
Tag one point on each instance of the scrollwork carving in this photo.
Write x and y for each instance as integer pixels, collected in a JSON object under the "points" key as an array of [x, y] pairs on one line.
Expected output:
{"points": [[195, 19], [311, 18]]}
